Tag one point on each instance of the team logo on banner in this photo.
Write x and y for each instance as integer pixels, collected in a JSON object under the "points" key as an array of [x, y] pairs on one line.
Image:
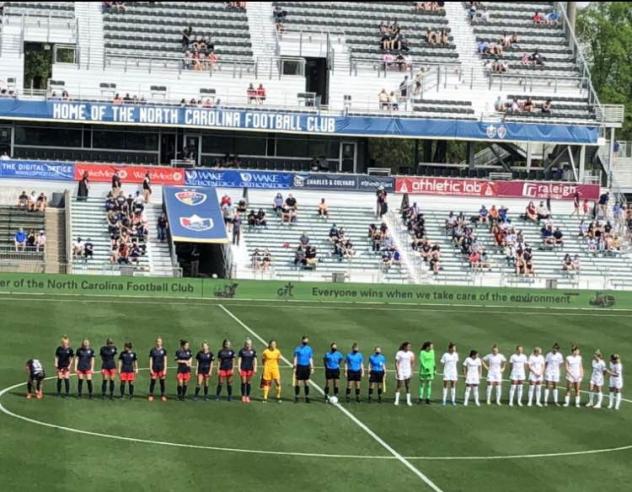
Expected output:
{"points": [[491, 131], [299, 181], [196, 223], [502, 132], [191, 198]]}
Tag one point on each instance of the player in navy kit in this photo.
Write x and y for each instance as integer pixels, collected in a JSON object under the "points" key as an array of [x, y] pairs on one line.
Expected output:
{"points": [[183, 358], [63, 358], [128, 368], [247, 361], [157, 369], [226, 358], [204, 360], [36, 374], [108, 367], [84, 367]]}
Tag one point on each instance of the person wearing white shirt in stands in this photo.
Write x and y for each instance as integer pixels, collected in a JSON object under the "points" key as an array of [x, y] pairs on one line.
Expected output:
{"points": [[599, 368], [494, 363], [473, 371], [404, 360], [536, 376], [518, 363], [450, 373], [574, 375], [616, 381], [552, 363]]}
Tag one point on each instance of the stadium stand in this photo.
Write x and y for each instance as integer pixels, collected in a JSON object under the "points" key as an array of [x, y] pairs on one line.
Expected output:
{"points": [[41, 9], [11, 220]]}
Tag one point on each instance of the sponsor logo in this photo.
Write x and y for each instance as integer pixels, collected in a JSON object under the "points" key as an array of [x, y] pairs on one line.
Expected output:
{"points": [[228, 291], [196, 223], [491, 131], [299, 181], [602, 300], [191, 198], [502, 132], [286, 291]]}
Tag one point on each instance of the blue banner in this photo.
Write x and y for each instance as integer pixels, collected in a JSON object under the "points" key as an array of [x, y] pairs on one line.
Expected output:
{"points": [[294, 122], [44, 170], [227, 178], [194, 215]]}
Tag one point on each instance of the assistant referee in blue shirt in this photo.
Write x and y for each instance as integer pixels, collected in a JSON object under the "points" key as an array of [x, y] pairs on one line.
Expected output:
{"points": [[303, 368]]}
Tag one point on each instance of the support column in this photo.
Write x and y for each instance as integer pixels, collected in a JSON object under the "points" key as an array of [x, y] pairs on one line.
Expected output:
{"points": [[610, 158], [571, 13], [469, 151], [528, 157], [582, 162]]}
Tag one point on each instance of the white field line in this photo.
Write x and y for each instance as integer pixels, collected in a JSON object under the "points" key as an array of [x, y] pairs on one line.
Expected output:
{"points": [[347, 413]]}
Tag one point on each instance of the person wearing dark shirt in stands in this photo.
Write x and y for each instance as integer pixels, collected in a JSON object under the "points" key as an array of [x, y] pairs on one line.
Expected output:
{"points": [[183, 358], [108, 367], [226, 357], [88, 250], [157, 369], [84, 367], [128, 368], [63, 358], [204, 360], [247, 362], [116, 181]]}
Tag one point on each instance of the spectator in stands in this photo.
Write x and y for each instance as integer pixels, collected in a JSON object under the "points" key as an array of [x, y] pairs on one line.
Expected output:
{"points": [[277, 203], [186, 37], [83, 187], [323, 209], [531, 212], [147, 188], [292, 208], [552, 18], [603, 203], [482, 47], [23, 200], [384, 99], [543, 212], [311, 258], [77, 248], [236, 229], [229, 215], [251, 93], [388, 59], [499, 105], [558, 237], [116, 182], [88, 250], [432, 37], [162, 226], [41, 203], [537, 18], [528, 105], [4, 156], [536, 58], [280, 16], [261, 94], [546, 106]]}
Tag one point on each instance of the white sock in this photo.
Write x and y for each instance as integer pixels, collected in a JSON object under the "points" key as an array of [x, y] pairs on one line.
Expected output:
{"points": [[512, 392], [453, 394], [611, 400], [476, 395], [618, 404], [499, 392], [591, 397], [531, 388], [546, 395], [467, 395], [538, 394], [445, 394], [555, 395], [489, 393], [520, 386], [567, 399], [599, 398], [408, 398], [577, 400], [397, 397]]}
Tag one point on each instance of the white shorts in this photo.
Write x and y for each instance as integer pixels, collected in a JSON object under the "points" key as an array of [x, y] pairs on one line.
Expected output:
{"points": [[474, 380], [535, 378], [450, 376], [404, 375], [552, 377], [518, 376], [494, 377], [615, 383], [596, 381], [573, 378]]}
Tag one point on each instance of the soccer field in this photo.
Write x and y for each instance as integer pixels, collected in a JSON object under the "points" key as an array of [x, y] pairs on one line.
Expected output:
{"points": [[71, 444]]}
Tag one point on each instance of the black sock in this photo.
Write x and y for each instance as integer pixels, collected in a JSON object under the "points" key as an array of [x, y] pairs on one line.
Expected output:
{"points": [[357, 392], [162, 387], [197, 390], [29, 387], [67, 386], [348, 392], [229, 389], [152, 386], [379, 392], [79, 387], [243, 389], [104, 386], [326, 390], [179, 391], [111, 387], [184, 390], [370, 393], [206, 390], [306, 390], [38, 385], [336, 390], [131, 389], [248, 388], [219, 390], [122, 389], [89, 382], [59, 386], [297, 390]]}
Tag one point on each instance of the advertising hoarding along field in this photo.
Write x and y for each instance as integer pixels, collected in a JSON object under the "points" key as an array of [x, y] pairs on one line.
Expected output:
{"points": [[492, 189], [102, 173], [43, 170], [223, 178]]}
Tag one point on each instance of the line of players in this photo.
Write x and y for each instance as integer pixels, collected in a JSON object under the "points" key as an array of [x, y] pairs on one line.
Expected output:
{"points": [[543, 371]]}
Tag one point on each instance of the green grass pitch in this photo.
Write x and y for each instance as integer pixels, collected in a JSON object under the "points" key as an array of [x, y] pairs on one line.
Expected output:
{"points": [[193, 445]]}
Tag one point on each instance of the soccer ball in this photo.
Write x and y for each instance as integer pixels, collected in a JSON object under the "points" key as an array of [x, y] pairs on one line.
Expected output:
{"points": [[333, 400]]}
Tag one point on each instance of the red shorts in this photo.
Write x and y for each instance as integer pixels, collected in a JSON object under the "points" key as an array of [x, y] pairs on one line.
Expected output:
{"points": [[108, 372], [63, 373], [205, 375], [183, 377], [158, 374], [84, 373], [128, 376], [225, 373], [246, 374]]}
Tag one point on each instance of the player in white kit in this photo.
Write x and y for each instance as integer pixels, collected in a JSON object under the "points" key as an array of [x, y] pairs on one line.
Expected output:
{"points": [[616, 381], [494, 364], [536, 376], [473, 371], [450, 373], [518, 361], [599, 368], [552, 363], [574, 375], [404, 360]]}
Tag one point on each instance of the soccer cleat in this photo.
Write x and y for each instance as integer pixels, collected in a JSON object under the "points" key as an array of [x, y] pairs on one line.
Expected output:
{"points": [[410, 404], [247, 399], [489, 402], [546, 403], [195, 398], [427, 401], [478, 404], [566, 404], [279, 400], [520, 404], [577, 405], [597, 406], [454, 404], [130, 397], [511, 403], [243, 399], [218, 398], [529, 404], [296, 399], [306, 399], [397, 403], [163, 398], [29, 396], [230, 398], [589, 404], [39, 395], [538, 405], [150, 397], [206, 398]]}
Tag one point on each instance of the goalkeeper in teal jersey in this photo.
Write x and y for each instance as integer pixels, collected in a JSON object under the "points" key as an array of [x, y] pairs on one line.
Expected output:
{"points": [[427, 371]]}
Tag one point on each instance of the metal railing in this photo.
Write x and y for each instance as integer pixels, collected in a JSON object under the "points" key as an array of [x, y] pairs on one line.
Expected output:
{"points": [[68, 229]]}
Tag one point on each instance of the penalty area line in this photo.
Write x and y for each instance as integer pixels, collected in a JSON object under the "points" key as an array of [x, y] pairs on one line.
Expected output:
{"points": [[346, 412]]}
